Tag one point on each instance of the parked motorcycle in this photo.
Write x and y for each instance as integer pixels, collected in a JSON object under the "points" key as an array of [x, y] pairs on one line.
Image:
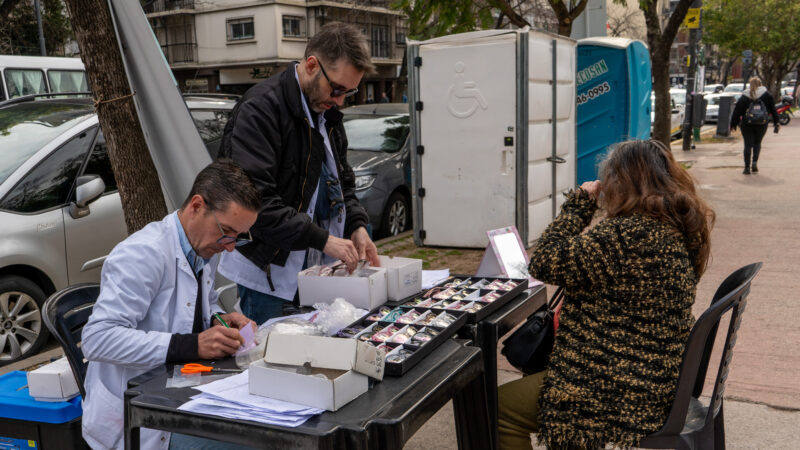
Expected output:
{"points": [[785, 109]]}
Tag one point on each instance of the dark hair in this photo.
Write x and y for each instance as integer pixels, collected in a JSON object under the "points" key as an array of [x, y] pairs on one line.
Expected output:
{"points": [[222, 182], [643, 177], [337, 40]]}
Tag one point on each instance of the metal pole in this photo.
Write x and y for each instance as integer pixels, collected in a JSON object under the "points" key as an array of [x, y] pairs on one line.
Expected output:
{"points": [[694, 36], [38, 9]]}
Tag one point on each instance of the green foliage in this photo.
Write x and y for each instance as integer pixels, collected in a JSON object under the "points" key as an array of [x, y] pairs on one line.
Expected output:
{"points": [[19, 34], [431, 18], [765, 27], [770, 28]]}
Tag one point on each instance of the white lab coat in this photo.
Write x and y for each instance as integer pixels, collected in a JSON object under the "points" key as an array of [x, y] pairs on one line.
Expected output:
{"points": [[148, 292]]}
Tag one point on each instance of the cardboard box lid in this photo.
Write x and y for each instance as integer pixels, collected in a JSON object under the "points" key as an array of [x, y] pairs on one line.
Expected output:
{"points": [[325, 353]]}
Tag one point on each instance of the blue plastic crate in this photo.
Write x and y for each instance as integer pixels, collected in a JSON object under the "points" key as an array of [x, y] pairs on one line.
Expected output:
{"points": [[17, 403]]}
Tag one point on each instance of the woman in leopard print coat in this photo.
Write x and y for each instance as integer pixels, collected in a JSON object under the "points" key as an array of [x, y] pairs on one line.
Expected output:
{"points": [[630, 283]]}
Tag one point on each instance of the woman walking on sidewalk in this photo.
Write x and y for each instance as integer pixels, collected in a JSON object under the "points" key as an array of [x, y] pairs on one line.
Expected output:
{"points": [[753, 111]]}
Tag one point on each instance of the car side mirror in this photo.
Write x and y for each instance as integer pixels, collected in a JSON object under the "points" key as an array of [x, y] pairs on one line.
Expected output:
{"points": [[88, 188]]}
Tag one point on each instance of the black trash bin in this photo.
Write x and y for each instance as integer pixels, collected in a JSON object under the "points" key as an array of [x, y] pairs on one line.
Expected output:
{"points": [[724, 118]]}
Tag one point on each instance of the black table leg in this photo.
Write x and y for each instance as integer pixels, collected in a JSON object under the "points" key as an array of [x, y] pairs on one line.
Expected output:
{"points": [[487, 341], [132, 438], [472, 419]]}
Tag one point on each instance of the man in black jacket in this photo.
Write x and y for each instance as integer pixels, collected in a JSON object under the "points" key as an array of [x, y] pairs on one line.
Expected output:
{"points": [[288, 136]]}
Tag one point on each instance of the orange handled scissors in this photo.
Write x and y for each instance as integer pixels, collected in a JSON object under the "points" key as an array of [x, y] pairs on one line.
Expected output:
{"points": [[199, 368]]}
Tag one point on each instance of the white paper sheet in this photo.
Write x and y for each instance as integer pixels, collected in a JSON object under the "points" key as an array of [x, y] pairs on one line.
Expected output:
{"points": [[431, 278], [231, 398]]}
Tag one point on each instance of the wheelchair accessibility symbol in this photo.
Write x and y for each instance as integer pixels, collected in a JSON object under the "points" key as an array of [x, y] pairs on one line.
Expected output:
{"points": [[464, 97]]}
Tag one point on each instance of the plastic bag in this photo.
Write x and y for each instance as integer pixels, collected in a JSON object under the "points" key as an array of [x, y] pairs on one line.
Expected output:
{"points": [[337, 315]]}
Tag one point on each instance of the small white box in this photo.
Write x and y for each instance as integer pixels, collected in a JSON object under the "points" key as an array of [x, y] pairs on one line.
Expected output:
{"points": [[325, 353], [403, 276], [336, 389], [53, 382], [362, 292], [338, 360]]}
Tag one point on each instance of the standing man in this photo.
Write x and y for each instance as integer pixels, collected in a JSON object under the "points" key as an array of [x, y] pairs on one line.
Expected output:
{"points": [[288, 135], [157, 297]]}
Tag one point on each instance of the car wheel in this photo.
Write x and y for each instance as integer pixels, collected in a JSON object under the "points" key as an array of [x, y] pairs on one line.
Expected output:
{"points": [[397, 215], [22, 331]]}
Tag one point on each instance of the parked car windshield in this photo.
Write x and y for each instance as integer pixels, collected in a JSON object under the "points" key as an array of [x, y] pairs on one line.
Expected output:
{"points": [[27, 127], [376, 133]]}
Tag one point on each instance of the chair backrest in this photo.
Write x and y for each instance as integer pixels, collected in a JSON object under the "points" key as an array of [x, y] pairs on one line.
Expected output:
{"points": [[730, 296], [65, 314]]}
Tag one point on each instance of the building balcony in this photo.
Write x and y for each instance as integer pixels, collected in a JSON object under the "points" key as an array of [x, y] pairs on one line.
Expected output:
{"points": [[167, 6], [177, 54]]}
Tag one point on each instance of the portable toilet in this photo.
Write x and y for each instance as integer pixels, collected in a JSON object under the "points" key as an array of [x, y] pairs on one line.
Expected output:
{"points": [[493, 133], [613, 97]]}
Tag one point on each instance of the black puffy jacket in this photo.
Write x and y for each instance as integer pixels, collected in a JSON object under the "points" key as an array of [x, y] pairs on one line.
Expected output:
{"points": [[744, 102], [270, 137]]}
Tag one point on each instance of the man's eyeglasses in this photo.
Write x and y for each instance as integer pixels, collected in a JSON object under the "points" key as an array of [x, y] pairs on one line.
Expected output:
{"points": [[336, 90], [241, 239]]}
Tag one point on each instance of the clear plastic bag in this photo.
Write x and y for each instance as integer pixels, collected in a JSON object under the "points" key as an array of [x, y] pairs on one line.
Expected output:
{"points": [[336, 315]]}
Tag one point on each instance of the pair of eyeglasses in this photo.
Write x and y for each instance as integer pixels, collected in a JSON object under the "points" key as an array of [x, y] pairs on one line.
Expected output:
{"points": [[241, 239], [336, 90]]}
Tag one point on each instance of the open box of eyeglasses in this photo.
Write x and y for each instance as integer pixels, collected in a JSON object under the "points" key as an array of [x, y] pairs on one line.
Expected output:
{"points": [[477, 296], [407, 334]]}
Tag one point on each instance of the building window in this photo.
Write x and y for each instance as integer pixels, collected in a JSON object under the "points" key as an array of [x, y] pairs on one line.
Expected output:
{"points": [[239, 29], [294, 26], [380, 41]]}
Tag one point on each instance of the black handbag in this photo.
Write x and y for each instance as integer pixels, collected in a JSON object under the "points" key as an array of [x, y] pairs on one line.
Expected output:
{"points": [[528, 349]]}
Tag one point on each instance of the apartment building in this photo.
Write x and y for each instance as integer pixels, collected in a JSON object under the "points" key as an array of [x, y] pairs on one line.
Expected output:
{"points": [[229, 45]]}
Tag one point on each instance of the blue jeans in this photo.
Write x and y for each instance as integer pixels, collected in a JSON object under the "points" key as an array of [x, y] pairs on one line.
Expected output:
{"points": [[258, 306], [186, 442]]}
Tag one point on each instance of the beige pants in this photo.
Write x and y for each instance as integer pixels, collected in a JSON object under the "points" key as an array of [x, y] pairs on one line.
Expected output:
{"points": [[518, 411]]}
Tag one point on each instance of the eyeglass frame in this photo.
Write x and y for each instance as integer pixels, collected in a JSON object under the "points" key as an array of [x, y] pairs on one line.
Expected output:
{"points": [[335, 92], [236, 241]]}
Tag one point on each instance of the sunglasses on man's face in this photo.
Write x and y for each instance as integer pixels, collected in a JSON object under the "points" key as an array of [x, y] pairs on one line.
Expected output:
{"points": [[241, 239], [336, 90]]}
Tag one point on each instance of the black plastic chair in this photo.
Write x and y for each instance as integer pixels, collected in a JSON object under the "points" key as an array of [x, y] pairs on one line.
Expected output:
{"points": [[65, 314], [690, 424]]}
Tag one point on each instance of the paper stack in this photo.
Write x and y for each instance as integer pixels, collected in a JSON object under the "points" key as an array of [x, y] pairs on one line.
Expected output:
{"points": [[231, 398]]}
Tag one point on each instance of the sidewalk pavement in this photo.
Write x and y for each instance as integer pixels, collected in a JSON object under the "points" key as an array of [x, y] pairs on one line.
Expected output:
{"points": [[758, 219]]}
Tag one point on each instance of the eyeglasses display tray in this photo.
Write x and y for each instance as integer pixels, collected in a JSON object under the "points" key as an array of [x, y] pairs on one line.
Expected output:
{"points": [[407, 334], [477, 296]]}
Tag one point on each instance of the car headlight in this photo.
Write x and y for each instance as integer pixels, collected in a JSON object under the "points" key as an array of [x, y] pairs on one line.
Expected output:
{"points": [[364, 181]]}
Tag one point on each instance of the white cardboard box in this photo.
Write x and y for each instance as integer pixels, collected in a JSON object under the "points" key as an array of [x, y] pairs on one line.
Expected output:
{"points": [[362, 292], [325, 353], [403, 276], [281, 382], [342, 362], [53, 382]]}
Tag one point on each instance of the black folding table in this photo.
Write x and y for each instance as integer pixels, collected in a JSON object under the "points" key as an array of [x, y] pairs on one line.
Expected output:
{"points": [[383, 418]]}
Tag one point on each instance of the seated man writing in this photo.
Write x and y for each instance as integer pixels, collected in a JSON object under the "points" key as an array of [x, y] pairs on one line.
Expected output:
{"points": [[157, 298]]}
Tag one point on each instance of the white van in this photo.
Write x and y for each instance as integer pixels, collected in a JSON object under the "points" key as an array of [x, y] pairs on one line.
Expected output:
{"points": [[27, 75]]}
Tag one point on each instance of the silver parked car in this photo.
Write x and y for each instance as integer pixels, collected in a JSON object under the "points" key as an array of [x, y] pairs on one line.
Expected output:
{"points": [[377, 136], [59, 206]]}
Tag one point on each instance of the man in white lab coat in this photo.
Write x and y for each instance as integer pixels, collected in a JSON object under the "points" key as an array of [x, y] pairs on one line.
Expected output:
{"points": [[157, 297]]}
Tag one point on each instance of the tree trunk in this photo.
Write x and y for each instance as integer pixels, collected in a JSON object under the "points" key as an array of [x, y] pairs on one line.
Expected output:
{"points": [[659, 43], [660, 71], [135, 173]]}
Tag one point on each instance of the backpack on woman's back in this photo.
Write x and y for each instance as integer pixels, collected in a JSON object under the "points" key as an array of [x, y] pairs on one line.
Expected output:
{"points": [[756, 113]]}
